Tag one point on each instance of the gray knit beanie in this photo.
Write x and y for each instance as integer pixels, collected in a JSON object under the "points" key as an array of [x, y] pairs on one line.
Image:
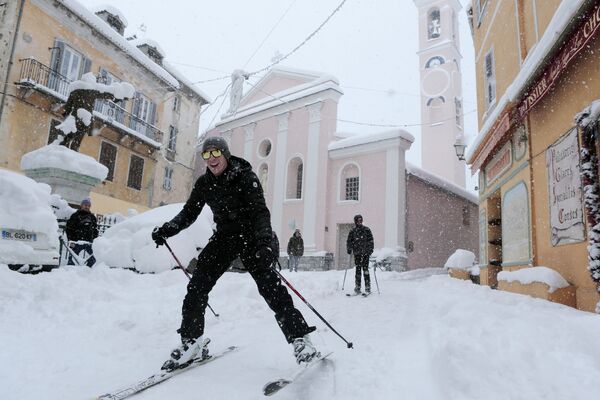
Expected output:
{"points": [[216, 142]]}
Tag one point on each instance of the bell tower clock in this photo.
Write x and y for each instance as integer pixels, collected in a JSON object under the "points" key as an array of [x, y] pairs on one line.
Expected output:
{"points": [[441, 88]]}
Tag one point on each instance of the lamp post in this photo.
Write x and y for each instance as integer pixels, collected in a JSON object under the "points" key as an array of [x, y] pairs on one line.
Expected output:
{"points": [[459, 147]]}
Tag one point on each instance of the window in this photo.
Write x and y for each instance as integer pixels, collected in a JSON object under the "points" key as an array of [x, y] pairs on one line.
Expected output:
{"points": [[490, 79], [106, 107], [352, 188], [53, 133], [66, 63], [145, 111], [436, 101], [434, 27], [108, 158], [263, 176], [136, 171], [172, 144], [168, 178], [458, 111], [480, 6], [264, 148], [176, 103], [294, 178], [435, 62]]}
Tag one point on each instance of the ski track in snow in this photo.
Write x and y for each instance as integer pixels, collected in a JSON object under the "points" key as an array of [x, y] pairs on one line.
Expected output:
{"points": [[76, 333]]}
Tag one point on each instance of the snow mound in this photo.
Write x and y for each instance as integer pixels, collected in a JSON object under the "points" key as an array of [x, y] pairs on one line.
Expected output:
{"points": [[129, 244], [120, 90], [526, 276], [25, 205], [460, 259], [61, 157]]}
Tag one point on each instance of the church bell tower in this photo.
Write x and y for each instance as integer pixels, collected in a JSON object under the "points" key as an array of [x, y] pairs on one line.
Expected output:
{"points": [[441, 88]]}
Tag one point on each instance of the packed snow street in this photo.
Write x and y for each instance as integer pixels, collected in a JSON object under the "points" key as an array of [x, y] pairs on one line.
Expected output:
{"points": [[78, 333]]}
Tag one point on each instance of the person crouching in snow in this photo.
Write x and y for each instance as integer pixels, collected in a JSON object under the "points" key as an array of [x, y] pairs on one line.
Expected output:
{"points": [[233, 192]]}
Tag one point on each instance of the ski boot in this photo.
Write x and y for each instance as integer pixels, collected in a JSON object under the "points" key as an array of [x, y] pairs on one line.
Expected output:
{"points": [[304, 350], [185, 354]]}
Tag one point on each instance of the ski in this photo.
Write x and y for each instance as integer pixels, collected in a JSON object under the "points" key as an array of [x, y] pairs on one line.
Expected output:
{"points": [[354, 294], [275, 386], [366, 294], [161, 377]]}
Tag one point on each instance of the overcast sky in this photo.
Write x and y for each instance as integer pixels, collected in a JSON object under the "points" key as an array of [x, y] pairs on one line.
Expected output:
{"points": [[369, 45]]}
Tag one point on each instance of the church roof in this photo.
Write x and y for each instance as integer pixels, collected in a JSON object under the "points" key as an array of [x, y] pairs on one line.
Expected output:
{"points": [[361, 139]]}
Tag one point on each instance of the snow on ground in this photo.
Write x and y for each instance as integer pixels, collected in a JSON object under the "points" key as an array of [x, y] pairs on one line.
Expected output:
{"points": [[76, 333]]}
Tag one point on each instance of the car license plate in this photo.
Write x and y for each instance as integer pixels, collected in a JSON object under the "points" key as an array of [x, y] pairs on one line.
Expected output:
{"points": [[23, 236]]}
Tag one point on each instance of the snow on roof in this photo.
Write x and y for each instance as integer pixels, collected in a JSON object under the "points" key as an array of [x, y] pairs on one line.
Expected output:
{"points": [[441, 183], [137, 42], [111, 10], [321, 83], [120, 90], [101, 26], [366, 138], [185, 81], [561, 20], [526, 276], [61, 157]]}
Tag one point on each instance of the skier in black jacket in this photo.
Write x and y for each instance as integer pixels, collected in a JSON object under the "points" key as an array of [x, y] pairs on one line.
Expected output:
{"points": [[233, 192], [360, 242], [82, 229]]}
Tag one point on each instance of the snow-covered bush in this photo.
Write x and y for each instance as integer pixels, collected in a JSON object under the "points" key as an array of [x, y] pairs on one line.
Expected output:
{"points": [[128, 244]]}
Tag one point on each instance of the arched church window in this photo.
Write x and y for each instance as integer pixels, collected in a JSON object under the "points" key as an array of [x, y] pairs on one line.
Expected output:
{"points": [[436, 101], [435, 62], [350, 183], [295, 174], [263, 176], [434, 26]]}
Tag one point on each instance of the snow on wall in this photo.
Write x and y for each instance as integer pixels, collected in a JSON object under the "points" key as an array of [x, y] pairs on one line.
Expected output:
{"points": [[25, 205], [129, 244], [61, 157], [441, 182], [526, 276], [101, 26], [358, 140]]}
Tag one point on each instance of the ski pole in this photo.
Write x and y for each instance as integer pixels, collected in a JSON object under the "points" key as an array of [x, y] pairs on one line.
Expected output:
{"points": [[349, 344], [186, 273], [375, 274], [346, 271]]}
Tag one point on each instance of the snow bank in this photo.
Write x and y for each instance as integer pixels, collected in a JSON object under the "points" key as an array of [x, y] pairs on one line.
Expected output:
{"points": [[460, 259], [25, 205], [526, 276], [61, 157], [129, 244]]}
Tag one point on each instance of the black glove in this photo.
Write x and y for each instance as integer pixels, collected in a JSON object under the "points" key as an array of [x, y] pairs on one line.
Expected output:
{"points": [[160, 235], [349, 251], [265, 254]]}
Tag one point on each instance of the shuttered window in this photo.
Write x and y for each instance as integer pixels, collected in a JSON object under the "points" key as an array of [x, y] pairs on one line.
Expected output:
{"points": [[490, 79], [136, 171], [108, 158]]}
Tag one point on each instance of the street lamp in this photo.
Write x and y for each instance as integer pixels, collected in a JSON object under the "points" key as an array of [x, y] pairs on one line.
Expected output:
{"points": [[459, 147]]}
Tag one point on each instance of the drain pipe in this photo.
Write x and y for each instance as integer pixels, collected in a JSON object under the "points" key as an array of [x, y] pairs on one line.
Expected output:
{"points": [[10, 59]]}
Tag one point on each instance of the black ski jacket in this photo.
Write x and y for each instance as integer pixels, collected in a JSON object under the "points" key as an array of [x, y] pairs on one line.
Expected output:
{"points": [[360, 240], [295, 246], [237, 202], [82, 226]]}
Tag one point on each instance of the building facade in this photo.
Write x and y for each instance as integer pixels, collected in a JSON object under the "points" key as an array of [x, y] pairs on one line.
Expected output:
{"points": [[146, 142], [537, 67], [442, 121], [316, 178]]}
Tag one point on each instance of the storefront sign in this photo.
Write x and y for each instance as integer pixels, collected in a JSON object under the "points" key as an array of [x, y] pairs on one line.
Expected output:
{"points": [[499, 164], [569, 50], [565, 192], [497, 134]]}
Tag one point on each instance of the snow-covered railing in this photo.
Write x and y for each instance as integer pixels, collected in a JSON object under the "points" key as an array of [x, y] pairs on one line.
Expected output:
{"points": [[35, 73]]}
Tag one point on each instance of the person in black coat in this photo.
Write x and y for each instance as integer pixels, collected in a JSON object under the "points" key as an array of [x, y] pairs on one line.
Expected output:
{"points": [[82, 229], [360, 242], [295, 250], [233, 192]]}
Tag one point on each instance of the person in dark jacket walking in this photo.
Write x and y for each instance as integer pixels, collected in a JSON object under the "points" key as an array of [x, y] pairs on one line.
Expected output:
{"points": [[360, 243], [82, 229], [233, 192], [295, 250]]}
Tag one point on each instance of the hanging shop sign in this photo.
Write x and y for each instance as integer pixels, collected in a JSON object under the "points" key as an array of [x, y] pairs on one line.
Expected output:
{"points": [[578, 41], [493, 140], [499, 164], [564, 190]]}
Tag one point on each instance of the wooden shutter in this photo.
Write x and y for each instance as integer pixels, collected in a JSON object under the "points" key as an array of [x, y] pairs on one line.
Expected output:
{"points": [[108, 158], [136, 172], [86, 65]]}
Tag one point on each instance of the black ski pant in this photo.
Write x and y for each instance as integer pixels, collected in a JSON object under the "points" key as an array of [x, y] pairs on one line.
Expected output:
{"points": [[362, 264], [213, 261]]}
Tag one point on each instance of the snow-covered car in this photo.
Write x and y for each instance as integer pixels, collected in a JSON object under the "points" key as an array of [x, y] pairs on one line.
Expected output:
{"points": [[28, 226]]}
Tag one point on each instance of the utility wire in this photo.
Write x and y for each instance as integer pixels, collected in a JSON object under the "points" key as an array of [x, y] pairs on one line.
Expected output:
{"points": [[271, 31]]}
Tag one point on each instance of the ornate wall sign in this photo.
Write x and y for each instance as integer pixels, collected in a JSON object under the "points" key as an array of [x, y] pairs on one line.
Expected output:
{"points": [[520, 142], [565, 191], [499, 164]]}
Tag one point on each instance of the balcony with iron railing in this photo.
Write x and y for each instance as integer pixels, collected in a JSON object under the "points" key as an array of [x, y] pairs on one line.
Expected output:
{"points": [[38, 76]]}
